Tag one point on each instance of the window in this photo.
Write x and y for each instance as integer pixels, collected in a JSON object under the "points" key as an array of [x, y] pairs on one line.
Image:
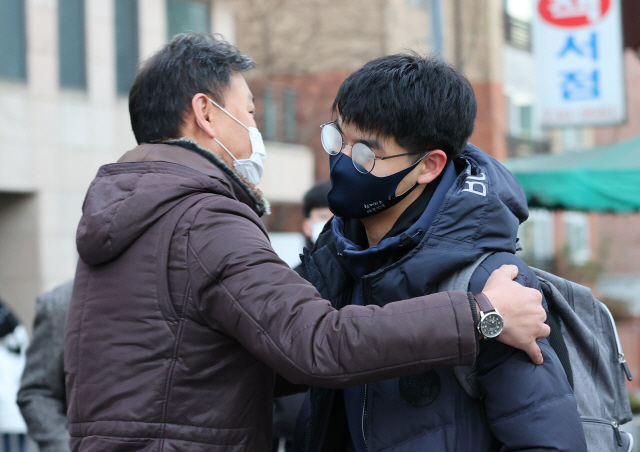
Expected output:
{"points": [[126, 27], [71, 44], [418, 3], [12, 39], [517, 23], [526, 120], [576, 227], [187, 15], [290, 115], [537, 238], [572, 138], [270, 115]]}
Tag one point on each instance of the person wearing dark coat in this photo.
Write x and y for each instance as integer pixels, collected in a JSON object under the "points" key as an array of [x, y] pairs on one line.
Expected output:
{"points": [[414, 203], [42, 395], [182, 313], [285, 409]]}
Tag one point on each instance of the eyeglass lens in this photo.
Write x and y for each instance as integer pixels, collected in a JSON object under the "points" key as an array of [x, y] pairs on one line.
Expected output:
{"points": [[331, 139], [363, 158]]}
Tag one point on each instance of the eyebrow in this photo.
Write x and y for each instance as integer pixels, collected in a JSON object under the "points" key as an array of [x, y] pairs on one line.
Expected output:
{"points": [[373, 143]]}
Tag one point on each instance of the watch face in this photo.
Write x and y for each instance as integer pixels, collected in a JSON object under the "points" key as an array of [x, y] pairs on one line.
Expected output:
{"points": [[491, 325]]}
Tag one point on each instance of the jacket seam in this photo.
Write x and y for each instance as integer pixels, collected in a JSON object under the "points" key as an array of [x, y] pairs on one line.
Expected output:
{"points": [[455, 315], [485, 209], [78, 348], [109, 242], [353, 316], [154, 423], [261, 330], [323, 377], [534, 407]]}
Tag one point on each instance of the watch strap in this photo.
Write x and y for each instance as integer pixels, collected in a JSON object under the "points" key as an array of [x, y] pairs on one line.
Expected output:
{"points": [[484, 303]]}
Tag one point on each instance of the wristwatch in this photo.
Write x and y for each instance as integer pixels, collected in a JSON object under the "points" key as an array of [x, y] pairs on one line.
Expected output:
{"points": [[491, 322]]}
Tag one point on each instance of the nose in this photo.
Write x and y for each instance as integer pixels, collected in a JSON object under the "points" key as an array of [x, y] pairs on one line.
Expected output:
{"points": [[344, 149]]}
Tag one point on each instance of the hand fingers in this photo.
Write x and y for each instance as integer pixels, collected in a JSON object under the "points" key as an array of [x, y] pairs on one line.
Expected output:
{"points": [[544, 331], [534, 352], [510, 270]]}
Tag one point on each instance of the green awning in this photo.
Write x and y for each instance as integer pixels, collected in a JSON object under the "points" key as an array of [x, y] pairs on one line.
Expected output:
{"points": [[598, 179]]}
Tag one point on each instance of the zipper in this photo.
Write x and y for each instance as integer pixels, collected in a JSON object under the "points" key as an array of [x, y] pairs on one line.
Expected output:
{"points": [[621, 358], [364, 417], [307, 434], [612, 424], [365, 293]]}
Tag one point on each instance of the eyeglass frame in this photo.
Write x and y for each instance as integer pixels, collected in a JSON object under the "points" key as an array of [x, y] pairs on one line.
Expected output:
{"points": [[375, 157]]}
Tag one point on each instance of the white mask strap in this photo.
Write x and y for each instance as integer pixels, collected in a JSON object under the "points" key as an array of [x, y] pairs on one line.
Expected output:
{"points": [[234, 118], [225, 148]]}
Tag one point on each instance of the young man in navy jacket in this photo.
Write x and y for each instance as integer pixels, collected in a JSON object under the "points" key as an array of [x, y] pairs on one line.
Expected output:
{"points": [[414, 203]]}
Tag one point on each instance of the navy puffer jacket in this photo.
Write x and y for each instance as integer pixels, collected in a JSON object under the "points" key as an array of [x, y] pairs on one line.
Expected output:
{"points": [[476, 207]]}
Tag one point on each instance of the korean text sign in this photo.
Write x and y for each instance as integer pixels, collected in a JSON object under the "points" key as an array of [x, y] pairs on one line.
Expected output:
{"points": [[579, 62]]}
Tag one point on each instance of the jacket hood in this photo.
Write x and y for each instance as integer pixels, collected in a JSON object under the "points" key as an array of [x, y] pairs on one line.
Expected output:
{"points": [[477, 207], [128, 197]]}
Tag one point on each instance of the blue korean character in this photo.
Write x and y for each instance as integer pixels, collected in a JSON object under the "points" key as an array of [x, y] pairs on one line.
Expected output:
{"points": [[581, 85], [588, 48]]}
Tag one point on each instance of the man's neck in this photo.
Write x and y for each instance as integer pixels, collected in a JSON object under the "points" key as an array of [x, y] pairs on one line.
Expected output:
{"points": [[379, 225]]}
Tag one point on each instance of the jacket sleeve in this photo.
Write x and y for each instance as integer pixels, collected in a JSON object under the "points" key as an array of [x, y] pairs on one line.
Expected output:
{"points": [[42, 397], [529, 407], [243, 289]]}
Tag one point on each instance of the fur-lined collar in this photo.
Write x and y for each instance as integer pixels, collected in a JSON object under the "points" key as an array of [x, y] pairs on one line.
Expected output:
{"points": [[256, 196]]}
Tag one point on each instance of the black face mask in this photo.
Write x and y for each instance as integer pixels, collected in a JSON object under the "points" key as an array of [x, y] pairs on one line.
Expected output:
{"points": [[357, 195]]}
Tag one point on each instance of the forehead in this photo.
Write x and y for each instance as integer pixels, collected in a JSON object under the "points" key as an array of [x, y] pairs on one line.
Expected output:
{"points": [[353, 130], [238, 90]]}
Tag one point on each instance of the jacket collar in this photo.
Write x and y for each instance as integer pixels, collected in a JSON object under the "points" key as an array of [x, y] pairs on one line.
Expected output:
{"points": [[188, 153], [408, 231]]}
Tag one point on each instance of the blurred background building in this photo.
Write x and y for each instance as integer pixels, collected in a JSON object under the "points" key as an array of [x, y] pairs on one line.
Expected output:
{"points": [[66, 67]]}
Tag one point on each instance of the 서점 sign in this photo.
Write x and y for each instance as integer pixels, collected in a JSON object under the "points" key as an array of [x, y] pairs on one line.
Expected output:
{"points": [[578, 54]]}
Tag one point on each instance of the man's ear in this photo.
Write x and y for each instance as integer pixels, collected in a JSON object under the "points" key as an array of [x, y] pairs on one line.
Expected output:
{"points": [[432, 165], [203, 114]]}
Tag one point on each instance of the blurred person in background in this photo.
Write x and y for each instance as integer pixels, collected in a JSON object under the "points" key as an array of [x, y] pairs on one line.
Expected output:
{"points": [[182, 313], [42, 396], [316, 211], [13, 344], [285, 409]]}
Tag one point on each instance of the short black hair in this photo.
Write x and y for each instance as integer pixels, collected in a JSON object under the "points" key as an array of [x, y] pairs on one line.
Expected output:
{"points": [[189, 64], [422, 102], [315, 198]]}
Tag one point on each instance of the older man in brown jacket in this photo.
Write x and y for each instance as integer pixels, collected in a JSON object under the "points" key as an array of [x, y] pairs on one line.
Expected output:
{"points": [[182, 314]]}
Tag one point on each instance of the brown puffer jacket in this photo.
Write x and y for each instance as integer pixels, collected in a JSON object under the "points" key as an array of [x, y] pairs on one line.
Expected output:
{"points": [[181, 313]]}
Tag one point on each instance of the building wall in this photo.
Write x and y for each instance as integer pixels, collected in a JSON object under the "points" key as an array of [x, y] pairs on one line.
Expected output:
{"points": [[52, 142], [306, 36], [631, 128], [313, 46], [620, 234], [475, 43]]}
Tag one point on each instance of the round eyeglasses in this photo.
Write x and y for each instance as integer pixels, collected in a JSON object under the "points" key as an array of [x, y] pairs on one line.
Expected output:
{"points": [[362, 156]]}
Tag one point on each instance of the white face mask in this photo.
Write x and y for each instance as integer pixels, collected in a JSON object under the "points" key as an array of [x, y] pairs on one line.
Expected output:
{"points": [[252, 168], [316, 229]]}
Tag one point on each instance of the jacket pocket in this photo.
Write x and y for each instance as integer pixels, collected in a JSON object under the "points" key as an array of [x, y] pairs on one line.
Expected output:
{"points": [[110, 444], [605, 436]]}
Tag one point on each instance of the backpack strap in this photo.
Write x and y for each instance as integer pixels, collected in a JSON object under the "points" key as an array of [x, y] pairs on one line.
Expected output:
{"points": [[466, 375]]}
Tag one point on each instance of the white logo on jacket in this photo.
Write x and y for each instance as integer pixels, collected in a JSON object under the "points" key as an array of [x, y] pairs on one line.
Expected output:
{"points": [[476, 184]]}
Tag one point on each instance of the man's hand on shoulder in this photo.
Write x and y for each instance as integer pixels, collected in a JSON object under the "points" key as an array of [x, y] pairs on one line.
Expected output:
{"points": [[521, 309]]}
